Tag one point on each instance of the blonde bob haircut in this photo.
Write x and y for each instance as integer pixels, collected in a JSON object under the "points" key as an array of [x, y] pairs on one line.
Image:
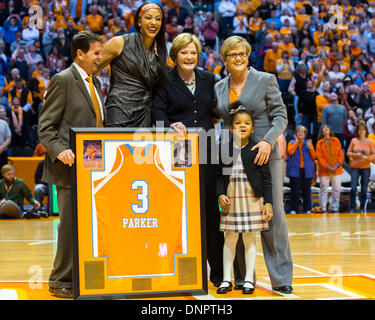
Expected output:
{"points": [[181, 42], [232, 42]]}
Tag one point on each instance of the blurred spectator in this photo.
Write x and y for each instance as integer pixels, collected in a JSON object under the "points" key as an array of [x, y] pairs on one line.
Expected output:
{"points": [[13, 191], [48, 37], [227, 12], [300, 169], [361, 151], [334, 115], [29, 35], [307, 108], [285, 69], [20, 128], [271, 58], [179, 11], [365, 100], [240, 24], [18, 61], [32, 58], [297, 85], [41, 188], [330, 158], [5, 137], [357, 74], [209, 29], [95, 20]]}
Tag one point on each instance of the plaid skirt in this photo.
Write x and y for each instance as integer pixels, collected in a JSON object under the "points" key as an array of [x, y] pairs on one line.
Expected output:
{"points": [[245, 210]]}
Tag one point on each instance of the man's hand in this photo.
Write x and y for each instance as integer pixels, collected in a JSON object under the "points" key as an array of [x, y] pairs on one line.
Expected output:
{"points": [[264, 151], [36, 204], [267, 211], [67, 157]]}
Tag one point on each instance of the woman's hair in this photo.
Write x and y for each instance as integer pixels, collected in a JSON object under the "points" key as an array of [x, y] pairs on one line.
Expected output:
{"points": [[300, 127], [359, 126], [233, 42], [236, 108], [160, 43], [182, 41], [320, 133]]}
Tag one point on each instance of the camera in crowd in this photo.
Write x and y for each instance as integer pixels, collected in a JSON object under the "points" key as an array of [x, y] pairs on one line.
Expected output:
{"points": [[35, 213]]}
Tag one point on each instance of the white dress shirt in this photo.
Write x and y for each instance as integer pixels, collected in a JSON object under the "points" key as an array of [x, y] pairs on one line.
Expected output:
{"points": [[84, 75]]}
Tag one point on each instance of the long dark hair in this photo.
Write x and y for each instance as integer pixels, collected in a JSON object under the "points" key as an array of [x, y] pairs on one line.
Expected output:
{"points": [[321, 135], [160, 43]]}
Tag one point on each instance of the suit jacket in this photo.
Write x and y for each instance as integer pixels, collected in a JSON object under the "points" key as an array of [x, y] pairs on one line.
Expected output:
{"points": [[174, 102], [259, 176], [67, 105], [262, 97]]}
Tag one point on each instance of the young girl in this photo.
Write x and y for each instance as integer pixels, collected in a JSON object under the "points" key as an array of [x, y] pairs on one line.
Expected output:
{"points": [[244, 190]]}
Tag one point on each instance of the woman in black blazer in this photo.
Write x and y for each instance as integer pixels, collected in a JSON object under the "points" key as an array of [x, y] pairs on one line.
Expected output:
{"points": [[187, 100]]}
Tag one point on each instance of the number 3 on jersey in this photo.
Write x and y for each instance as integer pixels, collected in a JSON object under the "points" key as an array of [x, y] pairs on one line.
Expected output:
{"points": [[142, 196]]}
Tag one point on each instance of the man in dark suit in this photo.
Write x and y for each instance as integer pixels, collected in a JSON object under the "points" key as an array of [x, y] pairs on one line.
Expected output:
{"points": [[73, 99]]}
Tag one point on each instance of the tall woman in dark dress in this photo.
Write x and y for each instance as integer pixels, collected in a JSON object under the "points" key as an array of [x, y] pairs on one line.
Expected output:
{"points": [[187, 100], [138, 63]]}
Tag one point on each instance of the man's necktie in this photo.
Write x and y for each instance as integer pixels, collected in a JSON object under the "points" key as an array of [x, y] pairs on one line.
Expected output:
{"points": [[95, 102]]}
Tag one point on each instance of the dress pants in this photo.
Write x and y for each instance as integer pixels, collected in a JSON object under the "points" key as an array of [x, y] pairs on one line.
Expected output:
{"points": [[215, 238], [275, 241], [62, 273], [300, 184]]}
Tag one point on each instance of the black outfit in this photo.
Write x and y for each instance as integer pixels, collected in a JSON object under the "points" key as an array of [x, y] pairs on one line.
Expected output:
{"points": [[174, 102], [259, 177], [133, 75], [307, 106]]}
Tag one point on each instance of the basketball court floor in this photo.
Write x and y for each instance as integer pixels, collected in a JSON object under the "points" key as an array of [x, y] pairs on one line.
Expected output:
{"points": [[333, 256]]}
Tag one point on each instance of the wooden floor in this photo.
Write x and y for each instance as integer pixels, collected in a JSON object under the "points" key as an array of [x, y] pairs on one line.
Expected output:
{"points": [[333, 256]]}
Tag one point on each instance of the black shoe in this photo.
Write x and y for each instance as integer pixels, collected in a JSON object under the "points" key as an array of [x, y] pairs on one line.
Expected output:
{"points": [[247, 290], [226, 289], [283, 289]]}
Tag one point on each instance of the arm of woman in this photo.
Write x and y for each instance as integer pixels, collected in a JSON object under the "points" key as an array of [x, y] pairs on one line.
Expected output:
{"points": [[372, 149], [292, 147], [111, 50], [350, 152]]}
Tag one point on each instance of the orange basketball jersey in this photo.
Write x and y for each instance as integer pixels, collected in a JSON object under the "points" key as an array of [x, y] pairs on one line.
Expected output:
{"points": [[139, 211]]}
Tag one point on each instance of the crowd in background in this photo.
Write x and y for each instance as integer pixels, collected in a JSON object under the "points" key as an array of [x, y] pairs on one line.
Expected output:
{"points": [[322, 53]]}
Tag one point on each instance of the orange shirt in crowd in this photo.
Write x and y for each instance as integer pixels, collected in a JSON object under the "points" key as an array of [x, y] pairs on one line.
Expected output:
{"points": [[329, 153], [321, 102], [270, 60], [95, 22], [366, 147]]}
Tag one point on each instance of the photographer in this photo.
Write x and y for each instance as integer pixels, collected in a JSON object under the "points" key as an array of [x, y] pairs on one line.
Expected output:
{"points": [[13, 191], [209, 30]]}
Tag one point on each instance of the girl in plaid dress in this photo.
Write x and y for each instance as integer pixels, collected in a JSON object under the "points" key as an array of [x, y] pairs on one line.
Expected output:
{"points": [[244, 190]]}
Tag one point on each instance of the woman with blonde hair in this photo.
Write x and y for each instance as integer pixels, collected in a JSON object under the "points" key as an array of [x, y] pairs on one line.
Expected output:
{"points": [[300, 169], [259, 93], [187, 100]]}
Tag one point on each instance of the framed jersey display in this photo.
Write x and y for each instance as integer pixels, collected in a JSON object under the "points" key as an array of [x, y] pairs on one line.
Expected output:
{"points": [[138, 222]]}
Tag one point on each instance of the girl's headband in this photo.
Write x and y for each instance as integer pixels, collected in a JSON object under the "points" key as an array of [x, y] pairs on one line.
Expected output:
{"points": [[148, 7], [235, 110]]}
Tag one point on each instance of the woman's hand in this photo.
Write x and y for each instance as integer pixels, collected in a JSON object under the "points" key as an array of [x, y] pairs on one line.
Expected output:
{"points": [[264, 151], [267, 211], [224, 202], [179, 127], [66, 157]]}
